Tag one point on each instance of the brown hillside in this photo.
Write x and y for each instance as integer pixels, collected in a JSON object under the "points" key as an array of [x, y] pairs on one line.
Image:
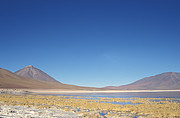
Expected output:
{"points": [[164, 81], [11, 80]]}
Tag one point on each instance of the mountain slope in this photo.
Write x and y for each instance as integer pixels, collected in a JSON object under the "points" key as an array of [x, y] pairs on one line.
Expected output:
{"points": [[11, 80], [168, 80], [34, 73]]}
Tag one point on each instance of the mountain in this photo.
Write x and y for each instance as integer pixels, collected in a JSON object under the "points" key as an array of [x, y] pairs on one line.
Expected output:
{"points": [[11, 80], [34, 73], [164, 81]]}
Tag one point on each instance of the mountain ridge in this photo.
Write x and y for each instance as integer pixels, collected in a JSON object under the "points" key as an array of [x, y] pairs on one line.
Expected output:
{"points": [[9, 80], [167, 80], [31, 79]]}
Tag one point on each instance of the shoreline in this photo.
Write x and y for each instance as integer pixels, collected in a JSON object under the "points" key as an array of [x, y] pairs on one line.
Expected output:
{"points": [[55, 91], [65, 91]]}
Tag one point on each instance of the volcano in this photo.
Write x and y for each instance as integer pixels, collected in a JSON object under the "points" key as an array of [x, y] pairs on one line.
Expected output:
{"points": [[31, 72]]}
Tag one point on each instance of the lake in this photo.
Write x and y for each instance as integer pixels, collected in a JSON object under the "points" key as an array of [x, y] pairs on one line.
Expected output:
{"points": [[175, 94]]}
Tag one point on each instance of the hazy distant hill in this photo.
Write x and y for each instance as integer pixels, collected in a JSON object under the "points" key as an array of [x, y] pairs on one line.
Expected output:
{"points": [[11, 80], [34, 73], [168, 80]]}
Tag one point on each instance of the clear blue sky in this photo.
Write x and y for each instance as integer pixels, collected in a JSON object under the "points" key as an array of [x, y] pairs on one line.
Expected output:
{"points": [[91, 42]]}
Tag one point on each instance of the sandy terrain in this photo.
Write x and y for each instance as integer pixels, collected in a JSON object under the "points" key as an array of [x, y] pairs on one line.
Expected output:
{"points": [[62, 91], [59, 91]]}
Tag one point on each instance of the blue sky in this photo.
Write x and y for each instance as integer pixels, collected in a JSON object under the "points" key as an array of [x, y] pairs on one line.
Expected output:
{"points": [[91, 42]]}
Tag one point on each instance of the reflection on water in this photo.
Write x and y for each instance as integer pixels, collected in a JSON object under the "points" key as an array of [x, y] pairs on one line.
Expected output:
{"points": [[122, 103]]}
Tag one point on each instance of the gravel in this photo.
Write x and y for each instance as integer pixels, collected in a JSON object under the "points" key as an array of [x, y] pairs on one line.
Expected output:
{"points": [[32, 112]]}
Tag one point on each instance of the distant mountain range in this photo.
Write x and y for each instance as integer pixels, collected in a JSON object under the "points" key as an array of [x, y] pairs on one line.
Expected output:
{"points": [[164, 81], [32, 78]]}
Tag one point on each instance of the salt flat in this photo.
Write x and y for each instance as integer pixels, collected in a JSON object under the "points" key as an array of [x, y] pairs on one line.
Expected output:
{"points": [[57, 91], [32, 112]]}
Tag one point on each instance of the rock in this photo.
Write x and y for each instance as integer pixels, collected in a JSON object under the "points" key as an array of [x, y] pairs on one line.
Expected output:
{"points": [[13, 91]]}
